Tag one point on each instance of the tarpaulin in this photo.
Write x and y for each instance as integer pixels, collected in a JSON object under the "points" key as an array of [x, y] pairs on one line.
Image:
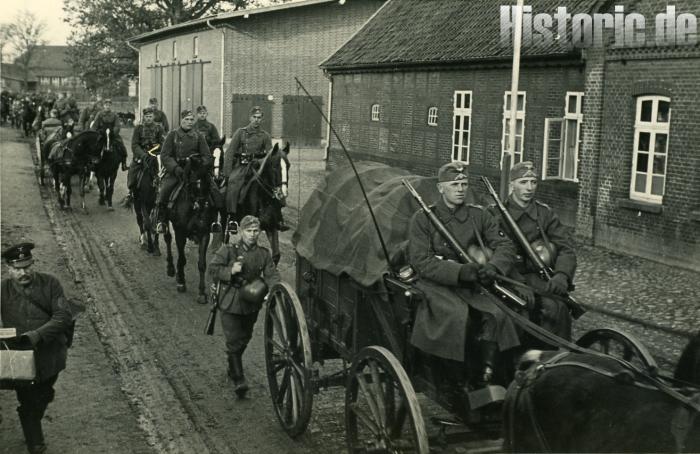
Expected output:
{"points": [[336, 233]]}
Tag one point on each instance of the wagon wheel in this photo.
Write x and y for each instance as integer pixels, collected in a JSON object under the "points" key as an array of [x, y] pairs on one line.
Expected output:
{"points": [[619, 345], [288, 359], [382, 414]]}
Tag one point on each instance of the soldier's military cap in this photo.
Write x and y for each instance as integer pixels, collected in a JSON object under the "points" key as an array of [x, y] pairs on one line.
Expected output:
{"points": [[153, 101], [107, 101], [255, 110], [19, 255], [201, 109], [186, 113], [148, 111], [525, 169], [453, 171], [249, 221]]}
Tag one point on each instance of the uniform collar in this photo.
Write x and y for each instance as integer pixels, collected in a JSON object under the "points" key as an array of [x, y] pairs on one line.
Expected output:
{"points": [[242, 246], [460, 212], [517, 211], [251, 128]]}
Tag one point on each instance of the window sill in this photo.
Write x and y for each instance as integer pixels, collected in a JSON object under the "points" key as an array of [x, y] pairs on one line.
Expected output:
{"points": [[695, 215], [637, 205]]}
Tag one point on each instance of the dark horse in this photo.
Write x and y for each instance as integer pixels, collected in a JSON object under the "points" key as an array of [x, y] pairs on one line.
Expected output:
{"points": [[111, 155], [74, 156], [44, 149], [578, 402], [192, 214], [263, 196], [145, 201]]}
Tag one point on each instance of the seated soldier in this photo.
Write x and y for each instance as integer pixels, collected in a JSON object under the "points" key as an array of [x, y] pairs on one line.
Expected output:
{"points": [[539, 223], [146, 135], [50, 130], [452, 289], [108, 120], [179, 144]]}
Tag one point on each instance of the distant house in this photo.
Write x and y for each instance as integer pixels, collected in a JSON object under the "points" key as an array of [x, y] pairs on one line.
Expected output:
{"points": [[235, 60], [49, 69], [426, 82]]}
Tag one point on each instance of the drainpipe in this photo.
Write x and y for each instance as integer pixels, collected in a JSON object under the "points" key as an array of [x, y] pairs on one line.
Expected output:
{"points": [[328, 126], [138, 112]]}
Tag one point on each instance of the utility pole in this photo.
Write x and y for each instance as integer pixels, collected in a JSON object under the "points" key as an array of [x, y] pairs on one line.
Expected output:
{"points": [[509, 155]]}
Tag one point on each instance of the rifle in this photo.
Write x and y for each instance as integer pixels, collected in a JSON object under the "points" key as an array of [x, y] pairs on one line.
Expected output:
{"points": [[544, 271], [452, 241], [215, 291]]}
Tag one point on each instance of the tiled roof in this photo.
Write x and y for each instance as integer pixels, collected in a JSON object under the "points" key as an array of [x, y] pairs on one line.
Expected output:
{"points": [[12, 71], [442, 32], [50, 57]]}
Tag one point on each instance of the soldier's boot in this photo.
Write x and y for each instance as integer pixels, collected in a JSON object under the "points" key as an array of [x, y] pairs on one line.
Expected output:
{"points": [[489, 354], [33, 433], [161, 218], [235, 364]]}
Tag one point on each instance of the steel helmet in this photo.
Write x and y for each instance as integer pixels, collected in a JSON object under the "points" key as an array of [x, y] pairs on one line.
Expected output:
{"points": [[254, 292]]}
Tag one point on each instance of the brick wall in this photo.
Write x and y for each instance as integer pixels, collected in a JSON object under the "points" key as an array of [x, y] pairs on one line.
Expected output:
{"points": [[403, 138], [266, 51]]}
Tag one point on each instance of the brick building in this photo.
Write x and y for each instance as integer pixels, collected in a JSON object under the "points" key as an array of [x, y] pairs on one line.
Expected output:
{"points": [[443, 94], [235, 60]]}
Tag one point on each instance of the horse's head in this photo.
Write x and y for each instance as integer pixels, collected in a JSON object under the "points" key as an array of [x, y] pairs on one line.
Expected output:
{"points": [[85, 147]]}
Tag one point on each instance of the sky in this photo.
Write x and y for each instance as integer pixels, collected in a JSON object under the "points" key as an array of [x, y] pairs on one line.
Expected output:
{"points": [[50, 11]]}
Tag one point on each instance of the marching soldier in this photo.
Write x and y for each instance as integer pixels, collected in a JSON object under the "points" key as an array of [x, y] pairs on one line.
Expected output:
{"points": [[249, 143], [146, 135], [452, 288], [158, 115], [107, 119], [248, 271], [179, 144], [539, 223], [33, 303]]}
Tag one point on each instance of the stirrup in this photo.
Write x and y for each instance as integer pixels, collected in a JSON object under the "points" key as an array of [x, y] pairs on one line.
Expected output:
{"points": [[215, 227], [161, 228]]}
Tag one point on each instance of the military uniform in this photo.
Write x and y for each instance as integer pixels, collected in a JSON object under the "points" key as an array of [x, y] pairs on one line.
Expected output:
{"points": [[39, 312], [238, 316], [180, 144], [144, 138], [537, 221], [109, 120], [441, 320], [88, 115], [210, 133], [160, 118], [247, 145]]}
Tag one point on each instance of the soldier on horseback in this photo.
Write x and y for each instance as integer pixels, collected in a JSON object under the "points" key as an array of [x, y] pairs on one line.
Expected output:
{"points": [[158, 115], [146, 135], [207, 129], [179, 144], [50, 130], [87, 116], [108, 120]]}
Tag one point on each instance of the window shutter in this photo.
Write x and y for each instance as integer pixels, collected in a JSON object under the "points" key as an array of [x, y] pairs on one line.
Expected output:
{"points": [[551, 155]]}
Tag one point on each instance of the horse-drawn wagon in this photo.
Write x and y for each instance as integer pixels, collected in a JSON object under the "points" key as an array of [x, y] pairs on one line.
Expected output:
{"points": [[351, 303]]}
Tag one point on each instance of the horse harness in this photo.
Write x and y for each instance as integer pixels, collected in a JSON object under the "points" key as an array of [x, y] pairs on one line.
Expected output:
{"points": [[681, 423]]}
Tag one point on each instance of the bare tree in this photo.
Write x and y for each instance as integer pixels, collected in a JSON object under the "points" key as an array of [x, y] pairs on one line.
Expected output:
{"points": [[24, 34]]}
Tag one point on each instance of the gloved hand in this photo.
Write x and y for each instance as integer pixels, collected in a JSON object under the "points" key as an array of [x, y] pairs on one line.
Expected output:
{"points": [[528, 295], [32, 337], [468, 273], [179, 172], [487, 274], [558, 285]]}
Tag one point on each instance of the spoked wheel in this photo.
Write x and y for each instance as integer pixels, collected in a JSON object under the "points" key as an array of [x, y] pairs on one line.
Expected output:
{"points": [[288, 359], [619, 345], [382, 414]]}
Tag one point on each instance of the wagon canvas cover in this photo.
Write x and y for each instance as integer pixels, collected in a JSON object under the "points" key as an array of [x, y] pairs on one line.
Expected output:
{"points": [[336, 232]]}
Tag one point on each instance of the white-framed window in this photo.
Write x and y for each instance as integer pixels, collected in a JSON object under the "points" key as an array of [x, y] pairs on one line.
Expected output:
{"points": [[461, 125], [519, 126], [562, 137], [157, 52], [651, 129], [195, 46], [376, 108], [432, 116], [174, 50]]}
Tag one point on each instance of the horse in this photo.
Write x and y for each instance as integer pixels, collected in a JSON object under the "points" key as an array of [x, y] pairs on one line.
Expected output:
{"points": [[192, 214], [111, 153], [145, 194], [580, 402], [44, 149], [263, 196], [74, 156]]}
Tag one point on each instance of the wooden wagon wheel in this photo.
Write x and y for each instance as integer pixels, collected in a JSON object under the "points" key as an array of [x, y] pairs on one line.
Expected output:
{"points": [[620, 345], [382, 414], [288, 359]]}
